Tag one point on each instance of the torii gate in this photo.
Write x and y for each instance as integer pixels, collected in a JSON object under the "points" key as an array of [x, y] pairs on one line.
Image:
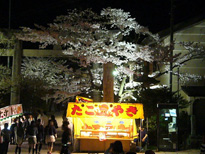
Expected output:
{"points": [[18, 52]]}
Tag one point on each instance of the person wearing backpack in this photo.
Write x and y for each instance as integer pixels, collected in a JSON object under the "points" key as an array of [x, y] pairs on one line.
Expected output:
{"points": [[19, 136], [5, 133]]}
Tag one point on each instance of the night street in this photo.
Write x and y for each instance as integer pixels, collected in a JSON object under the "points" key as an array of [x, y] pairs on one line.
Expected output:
{"points": [[57, 145], [57, 149], [112, 76]]}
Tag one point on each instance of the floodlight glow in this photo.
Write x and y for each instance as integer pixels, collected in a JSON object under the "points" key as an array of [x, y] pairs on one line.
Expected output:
{"points": [[115, 73]]}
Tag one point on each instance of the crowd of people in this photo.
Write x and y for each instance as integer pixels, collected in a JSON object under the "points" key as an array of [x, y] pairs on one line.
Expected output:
{"points": [[36, 131], [39, 130], [117, 148]]}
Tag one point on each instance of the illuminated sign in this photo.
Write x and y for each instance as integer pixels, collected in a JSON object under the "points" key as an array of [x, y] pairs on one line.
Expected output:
{"points": [[118, 110], [11, 110]]}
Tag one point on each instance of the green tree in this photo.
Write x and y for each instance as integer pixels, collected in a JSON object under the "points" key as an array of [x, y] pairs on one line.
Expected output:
{"points": [[150, 98], [5, 85]]}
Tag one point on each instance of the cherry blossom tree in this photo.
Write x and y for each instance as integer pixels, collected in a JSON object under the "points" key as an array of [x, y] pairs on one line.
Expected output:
{"points": [[193, 51], [97, 38], [57, 76], [111, 36]]}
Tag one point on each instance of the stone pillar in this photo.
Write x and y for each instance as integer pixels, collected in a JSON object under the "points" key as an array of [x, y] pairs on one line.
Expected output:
{"points": [[108, 82], [16, 70], [193, 121]]}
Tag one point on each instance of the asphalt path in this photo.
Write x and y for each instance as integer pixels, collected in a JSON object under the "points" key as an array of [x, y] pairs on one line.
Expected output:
{"points": [[57, 148]]}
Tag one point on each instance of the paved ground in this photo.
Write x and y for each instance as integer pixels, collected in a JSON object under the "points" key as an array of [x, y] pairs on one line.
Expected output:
{"points": [[57, 147], [24, 149], [57, 150]]}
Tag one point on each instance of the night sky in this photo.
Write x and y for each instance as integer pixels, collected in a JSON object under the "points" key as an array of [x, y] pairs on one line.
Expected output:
{"points": [[154, 14]]}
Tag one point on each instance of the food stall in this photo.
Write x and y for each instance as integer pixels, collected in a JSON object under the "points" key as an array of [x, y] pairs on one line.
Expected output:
{"points": [[8, 113], [96, 125]]}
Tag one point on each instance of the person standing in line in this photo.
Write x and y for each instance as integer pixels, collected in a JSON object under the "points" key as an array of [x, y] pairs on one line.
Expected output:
{"points": [[24, 121], [5, 133], [32, 132], [25, 125], [44, 119], [30, 119], [1, 140], [70, 126], [51, 135], [40, 136], [66, 138], [39, 115], [54, 121], [19, 137], [141, 135], [149, 152], [13, 125], [115, 148]]}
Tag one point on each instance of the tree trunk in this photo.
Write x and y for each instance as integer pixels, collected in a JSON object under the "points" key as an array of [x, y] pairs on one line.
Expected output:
{"points": [[108, 82]]}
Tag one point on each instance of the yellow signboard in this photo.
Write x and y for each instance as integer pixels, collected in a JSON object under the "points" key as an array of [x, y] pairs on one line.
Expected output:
{"points": [[103, 109]]}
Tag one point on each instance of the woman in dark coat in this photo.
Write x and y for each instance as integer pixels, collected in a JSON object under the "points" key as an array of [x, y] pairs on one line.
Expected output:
{"points": [[32, 132], [66, 138], [40, 136], [19, 136], [54, 121]]}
